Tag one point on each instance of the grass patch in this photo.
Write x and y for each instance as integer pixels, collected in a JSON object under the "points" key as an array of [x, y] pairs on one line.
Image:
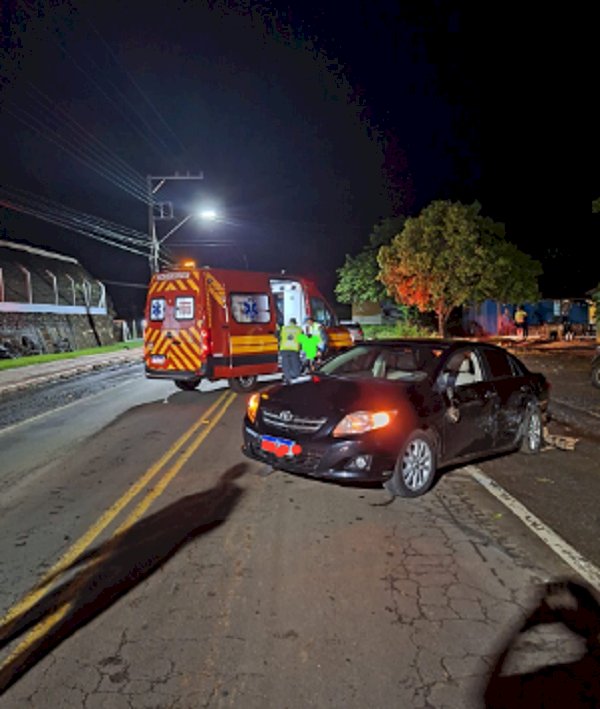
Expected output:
{"points": [[37, 359], [396, 330]]}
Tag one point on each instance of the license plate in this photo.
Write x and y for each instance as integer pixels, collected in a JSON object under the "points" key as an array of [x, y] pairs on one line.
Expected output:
{"points": [[157, 359], [280, 446]]}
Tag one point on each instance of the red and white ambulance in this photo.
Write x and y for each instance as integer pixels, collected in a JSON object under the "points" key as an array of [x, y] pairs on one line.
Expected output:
{"points": [[211, 323]]}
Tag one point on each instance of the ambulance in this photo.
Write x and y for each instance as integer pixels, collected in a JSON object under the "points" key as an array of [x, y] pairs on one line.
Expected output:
{"points": [[210, 323]]}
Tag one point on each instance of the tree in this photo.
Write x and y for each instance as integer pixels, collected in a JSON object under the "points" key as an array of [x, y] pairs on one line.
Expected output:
{"points": [[358, 278], [451, 255]]}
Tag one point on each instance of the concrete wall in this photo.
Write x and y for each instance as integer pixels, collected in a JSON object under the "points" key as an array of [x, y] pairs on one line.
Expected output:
{"points": [[49, 303], [31, 333]]}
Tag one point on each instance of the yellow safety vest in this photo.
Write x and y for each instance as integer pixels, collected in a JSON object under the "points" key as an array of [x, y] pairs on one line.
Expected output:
{"points": [[289, 338]]}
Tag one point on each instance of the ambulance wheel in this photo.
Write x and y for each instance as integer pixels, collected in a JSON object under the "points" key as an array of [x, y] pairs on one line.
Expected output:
{"points": [[187, 384], [243, 384]]}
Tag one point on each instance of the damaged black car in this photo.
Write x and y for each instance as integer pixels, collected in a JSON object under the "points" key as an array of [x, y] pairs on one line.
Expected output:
{"points": [[398, 411]]}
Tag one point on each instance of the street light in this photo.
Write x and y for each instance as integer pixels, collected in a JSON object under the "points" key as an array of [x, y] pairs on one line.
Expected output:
{"points": [[207, 215]]}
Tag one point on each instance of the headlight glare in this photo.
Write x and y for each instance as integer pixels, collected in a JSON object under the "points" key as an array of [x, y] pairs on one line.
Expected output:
{"points": [[252, 406], [362, 421]]}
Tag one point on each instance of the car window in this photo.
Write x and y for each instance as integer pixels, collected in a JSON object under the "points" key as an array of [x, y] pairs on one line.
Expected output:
{"points": [[403, 364], [357, 362], [498, 363], [462, 369], [519, 369]]}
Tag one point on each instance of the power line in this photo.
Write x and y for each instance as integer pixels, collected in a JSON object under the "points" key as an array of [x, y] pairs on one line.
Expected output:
{"points": [[106, 153], [45, 204], [96, 233], [122, 98], [37, 125], [135, 84]]}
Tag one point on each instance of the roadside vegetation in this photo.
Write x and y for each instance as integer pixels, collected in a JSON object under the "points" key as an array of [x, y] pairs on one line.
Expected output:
{"points": [[446, 257], [37, 359], [396, 330]]}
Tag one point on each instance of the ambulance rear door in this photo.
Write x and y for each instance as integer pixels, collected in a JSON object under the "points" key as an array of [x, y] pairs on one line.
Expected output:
{"points": [[245, 341], [174, 324]]}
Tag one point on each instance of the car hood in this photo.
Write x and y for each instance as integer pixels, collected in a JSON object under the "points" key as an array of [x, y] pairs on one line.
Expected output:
{"points": [[334, 396]]}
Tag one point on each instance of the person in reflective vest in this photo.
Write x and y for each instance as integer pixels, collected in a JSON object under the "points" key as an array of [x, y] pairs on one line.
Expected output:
{"points": [[289, 347], [319, 331], [309, 342]]}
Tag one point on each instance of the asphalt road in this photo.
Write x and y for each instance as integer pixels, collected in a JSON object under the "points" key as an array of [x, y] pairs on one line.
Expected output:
{"points": [[174, 573]]}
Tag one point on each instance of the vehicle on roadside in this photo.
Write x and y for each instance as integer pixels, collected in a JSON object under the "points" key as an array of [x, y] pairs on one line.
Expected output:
{"points": [[355, 330], [209, 323], [397, 411], [596, 368]]}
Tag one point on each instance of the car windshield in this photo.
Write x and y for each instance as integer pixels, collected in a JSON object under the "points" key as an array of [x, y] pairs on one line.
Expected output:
{"points": [[402, 362]]}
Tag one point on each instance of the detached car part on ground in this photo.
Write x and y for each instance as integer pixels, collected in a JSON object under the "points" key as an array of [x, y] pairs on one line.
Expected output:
{"points": [[395, 412]]}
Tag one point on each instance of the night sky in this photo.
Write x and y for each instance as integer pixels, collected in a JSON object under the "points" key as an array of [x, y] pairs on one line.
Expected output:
{"points": [[309, 124]]}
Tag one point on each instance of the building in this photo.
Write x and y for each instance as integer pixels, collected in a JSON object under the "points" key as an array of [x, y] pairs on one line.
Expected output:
{"points": [[547, 317], [49, 303]]}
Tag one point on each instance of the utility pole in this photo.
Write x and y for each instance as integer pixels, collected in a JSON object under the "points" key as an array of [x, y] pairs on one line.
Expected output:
{"points": [[161, 211]]}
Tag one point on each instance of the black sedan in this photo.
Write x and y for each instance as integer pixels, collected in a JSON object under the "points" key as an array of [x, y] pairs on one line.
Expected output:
{"points": [[396, 411]]}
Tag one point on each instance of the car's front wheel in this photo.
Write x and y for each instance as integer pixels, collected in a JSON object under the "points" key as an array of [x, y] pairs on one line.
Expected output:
{"points": [[415, 468], [243, 384], [533, 428]]}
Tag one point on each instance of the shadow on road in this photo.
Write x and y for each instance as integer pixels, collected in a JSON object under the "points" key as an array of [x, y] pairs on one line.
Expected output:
{"points": [[574, 684], [108, 572]]}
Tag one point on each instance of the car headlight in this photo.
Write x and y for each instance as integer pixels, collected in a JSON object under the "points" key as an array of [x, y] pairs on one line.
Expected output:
{"points": [[363, 421], [252, 406]]}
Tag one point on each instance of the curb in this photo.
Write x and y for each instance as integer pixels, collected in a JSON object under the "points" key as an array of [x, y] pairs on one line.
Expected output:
{"points": [[587, 422], [68, 373]]}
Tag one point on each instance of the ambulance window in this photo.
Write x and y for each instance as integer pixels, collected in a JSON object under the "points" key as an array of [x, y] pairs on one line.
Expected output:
{"points": [[157, 309], [320, 312], [250, 307], [184, 308]]}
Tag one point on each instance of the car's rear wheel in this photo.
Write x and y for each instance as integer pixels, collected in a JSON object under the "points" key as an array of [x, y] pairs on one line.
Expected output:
{"points": [[596, 375], [415, 468], [187, 384], [533, 427], [243, 384]]}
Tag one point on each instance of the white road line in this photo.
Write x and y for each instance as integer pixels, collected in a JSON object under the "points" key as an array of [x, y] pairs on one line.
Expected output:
{"points": [[567, 553]]}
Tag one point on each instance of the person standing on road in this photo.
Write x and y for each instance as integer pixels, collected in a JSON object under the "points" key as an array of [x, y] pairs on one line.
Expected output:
{"points": [[521, 322], [309, 342], [289, 347], [318, 330]]}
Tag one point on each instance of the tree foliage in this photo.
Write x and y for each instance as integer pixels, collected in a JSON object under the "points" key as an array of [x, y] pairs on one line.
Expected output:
{"points": [[451, 255], [358, 278]]}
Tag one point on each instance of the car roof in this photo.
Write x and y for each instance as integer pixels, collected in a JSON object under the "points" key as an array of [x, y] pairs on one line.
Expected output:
{"points": [[440, 342], [446, 343]]}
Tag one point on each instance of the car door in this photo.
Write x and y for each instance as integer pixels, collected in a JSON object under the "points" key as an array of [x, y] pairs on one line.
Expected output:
{"points": [[513, 393], [471, 403]]}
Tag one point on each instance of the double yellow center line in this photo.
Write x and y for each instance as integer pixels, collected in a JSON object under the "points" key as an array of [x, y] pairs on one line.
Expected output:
{"points": [[207, 421]]}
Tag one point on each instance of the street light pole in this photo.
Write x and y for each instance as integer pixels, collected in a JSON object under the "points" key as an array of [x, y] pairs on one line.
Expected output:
{"points": [[153, 184]]}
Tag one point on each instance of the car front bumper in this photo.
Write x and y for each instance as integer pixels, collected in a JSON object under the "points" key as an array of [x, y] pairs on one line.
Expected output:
{"points": [[325, 459]]}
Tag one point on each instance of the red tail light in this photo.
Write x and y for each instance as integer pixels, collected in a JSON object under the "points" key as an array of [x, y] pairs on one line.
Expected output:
{"points": [[205, 342]]}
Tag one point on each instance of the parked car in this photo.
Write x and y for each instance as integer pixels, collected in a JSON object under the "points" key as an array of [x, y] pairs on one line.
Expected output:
{"points": [[596, 369], [397, 411], [355, 329]]}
